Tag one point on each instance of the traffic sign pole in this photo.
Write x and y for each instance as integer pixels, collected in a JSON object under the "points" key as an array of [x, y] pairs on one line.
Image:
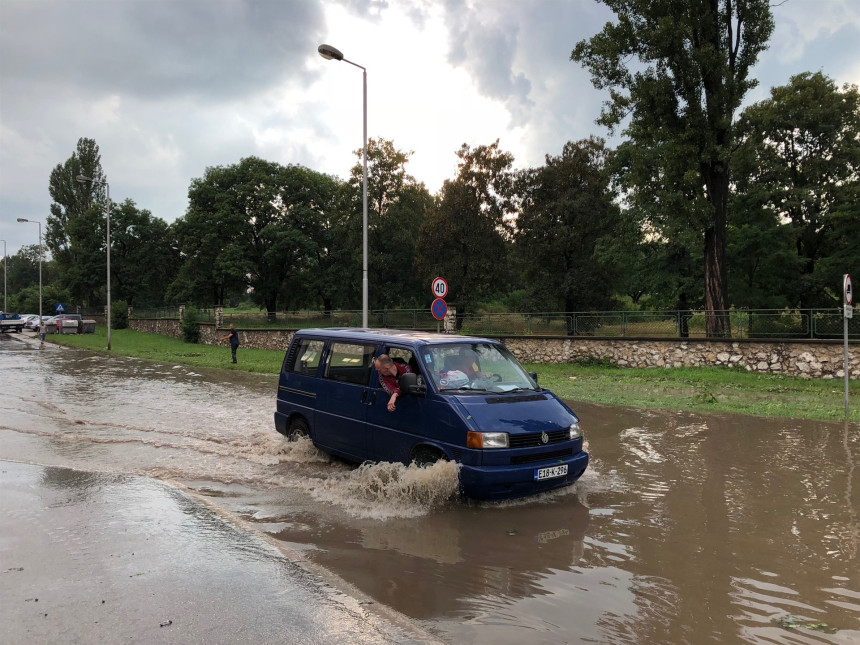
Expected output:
{"points": [[848, 297]]}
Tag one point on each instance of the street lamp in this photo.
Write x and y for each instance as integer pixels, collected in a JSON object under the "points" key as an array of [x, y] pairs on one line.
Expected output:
{"points": [[332, 53], [41, 323], [5, 269], [83, 179]]}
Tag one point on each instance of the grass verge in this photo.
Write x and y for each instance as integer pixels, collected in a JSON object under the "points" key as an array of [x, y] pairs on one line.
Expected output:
{"points": [[703, 389], [700, 389], [163, 349]]}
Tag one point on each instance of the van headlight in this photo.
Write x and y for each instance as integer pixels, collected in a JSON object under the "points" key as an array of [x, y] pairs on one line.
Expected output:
{"points": [[482, 440], [575, 432]]}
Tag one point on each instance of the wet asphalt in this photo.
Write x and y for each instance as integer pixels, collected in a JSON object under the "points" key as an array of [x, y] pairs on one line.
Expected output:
{"points": [[101, 558]]}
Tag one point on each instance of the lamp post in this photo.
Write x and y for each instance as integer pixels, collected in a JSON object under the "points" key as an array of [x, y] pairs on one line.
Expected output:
{"points": [[5, 269], [83, 179], [41, 324], [332, 53]]}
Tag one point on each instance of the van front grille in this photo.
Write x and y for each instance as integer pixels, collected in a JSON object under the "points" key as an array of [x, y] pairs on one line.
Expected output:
{"points": [[527, 459], [533, 439]]}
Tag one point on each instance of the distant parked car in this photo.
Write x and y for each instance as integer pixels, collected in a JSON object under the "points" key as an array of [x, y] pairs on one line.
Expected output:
{"points": [[33, 324]]}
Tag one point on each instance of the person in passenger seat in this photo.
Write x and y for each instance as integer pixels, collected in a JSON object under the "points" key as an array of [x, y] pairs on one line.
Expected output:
{"points": [[389, 377]]}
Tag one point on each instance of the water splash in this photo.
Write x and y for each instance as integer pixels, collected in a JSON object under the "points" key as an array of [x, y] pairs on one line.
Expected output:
{"points": [[388, 490]]}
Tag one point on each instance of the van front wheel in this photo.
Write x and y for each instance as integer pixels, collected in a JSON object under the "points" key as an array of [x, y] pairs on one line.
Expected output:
{"points": [[425, 456], [298, 429]]}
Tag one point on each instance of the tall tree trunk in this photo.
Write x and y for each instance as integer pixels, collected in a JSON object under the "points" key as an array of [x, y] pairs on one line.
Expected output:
{"points": [[717, 323]]}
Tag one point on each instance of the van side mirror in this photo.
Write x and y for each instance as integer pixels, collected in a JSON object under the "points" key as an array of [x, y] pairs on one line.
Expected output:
{"points": [[409, 383], [534, 376]]}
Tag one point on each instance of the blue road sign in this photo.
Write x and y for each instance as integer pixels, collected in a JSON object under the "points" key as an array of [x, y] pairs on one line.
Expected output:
{"points": [[439, 308], [60, 308]]}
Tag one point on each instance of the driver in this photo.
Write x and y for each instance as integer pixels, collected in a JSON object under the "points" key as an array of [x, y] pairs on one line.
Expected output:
{"points": [[461, 369]]}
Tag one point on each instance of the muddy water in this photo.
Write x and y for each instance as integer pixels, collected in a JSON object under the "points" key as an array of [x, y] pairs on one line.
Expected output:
{"points": [[685, 529]]}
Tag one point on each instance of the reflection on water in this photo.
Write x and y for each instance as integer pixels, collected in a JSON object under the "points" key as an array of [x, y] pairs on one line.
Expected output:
{"points": [[684, 529]]}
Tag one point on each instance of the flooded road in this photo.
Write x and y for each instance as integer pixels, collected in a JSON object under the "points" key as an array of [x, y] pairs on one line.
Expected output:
{"points": [[684, 529]]}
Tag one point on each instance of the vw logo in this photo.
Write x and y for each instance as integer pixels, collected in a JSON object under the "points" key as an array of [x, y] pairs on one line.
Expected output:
{"points": [[544, 437]]}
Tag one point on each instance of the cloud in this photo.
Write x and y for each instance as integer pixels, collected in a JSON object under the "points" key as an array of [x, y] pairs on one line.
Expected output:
{"points": [[518, 53], [484, 41], [170, 87], [215, 49]]}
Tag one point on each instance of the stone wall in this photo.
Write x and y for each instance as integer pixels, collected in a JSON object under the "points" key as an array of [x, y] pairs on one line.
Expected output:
{"points": [[804, 359], [277, 339], [822, 359], [163, 326]]}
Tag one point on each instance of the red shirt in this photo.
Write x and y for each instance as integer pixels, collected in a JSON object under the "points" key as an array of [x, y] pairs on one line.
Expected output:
{"points": [[390, 383]]}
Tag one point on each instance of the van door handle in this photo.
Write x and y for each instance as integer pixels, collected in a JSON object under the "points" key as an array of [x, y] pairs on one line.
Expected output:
{"points": [[364, 397], [373, 399]]}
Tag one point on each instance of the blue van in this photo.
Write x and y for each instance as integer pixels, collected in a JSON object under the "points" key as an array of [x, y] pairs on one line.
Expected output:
{"points": [[467, 400]]}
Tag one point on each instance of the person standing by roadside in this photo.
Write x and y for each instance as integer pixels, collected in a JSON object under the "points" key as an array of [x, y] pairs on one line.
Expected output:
{"points": [[233, 335]]}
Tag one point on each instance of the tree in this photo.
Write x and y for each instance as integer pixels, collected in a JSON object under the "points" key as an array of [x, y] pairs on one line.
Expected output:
{"points": [[75, 229], [27, 299], [680, 69], [321, 270], [144, 257], [22, 269], [249, 226], [763, 265], [213, 234], [464, 237], [397, 207], [567, 210], [799, 173]]}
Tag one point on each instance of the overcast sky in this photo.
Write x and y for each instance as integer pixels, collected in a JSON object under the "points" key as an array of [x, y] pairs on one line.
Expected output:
{"points": [[168, 88]]}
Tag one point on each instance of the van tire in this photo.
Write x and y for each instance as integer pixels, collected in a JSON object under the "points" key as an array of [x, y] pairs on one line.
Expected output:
{"points": [[298, 428], [427, 456]]}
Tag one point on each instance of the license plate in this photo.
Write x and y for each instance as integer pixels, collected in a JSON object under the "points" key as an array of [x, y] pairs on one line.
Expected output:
{"points": [[550, 473]]}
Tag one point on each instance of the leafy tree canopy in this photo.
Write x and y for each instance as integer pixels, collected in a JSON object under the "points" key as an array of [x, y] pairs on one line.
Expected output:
{"points": [[567, 210], [679, 70], [798, 178], [75, 230], [464, 237]]}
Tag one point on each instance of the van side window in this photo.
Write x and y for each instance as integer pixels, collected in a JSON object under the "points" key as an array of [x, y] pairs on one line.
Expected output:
{"points": [[305, 357], [350, 363], [400, 355]]}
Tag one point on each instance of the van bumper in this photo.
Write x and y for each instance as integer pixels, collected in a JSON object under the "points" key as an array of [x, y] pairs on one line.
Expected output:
{"points": [[506, 482]]}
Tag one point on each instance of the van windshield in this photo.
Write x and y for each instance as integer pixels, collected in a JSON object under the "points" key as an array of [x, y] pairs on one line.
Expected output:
{"points": [[478, 367]]}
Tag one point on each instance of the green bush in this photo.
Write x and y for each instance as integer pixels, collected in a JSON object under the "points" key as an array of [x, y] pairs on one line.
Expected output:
{"points": [[191, 325], [601, 362], [119, 314]]}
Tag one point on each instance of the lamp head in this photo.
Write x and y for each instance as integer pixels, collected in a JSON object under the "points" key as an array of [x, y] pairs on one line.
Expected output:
{"points": [[83, 179], [21, 219], [330, 53]]}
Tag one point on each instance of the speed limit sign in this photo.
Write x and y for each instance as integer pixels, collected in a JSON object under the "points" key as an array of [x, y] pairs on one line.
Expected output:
{"points": [[440, 288]]}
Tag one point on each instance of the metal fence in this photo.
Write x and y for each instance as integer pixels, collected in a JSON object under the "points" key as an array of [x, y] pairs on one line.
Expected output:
{"points": [[419, 319], [753, 323], [88, 311], [757, 323], [157, 312]]}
